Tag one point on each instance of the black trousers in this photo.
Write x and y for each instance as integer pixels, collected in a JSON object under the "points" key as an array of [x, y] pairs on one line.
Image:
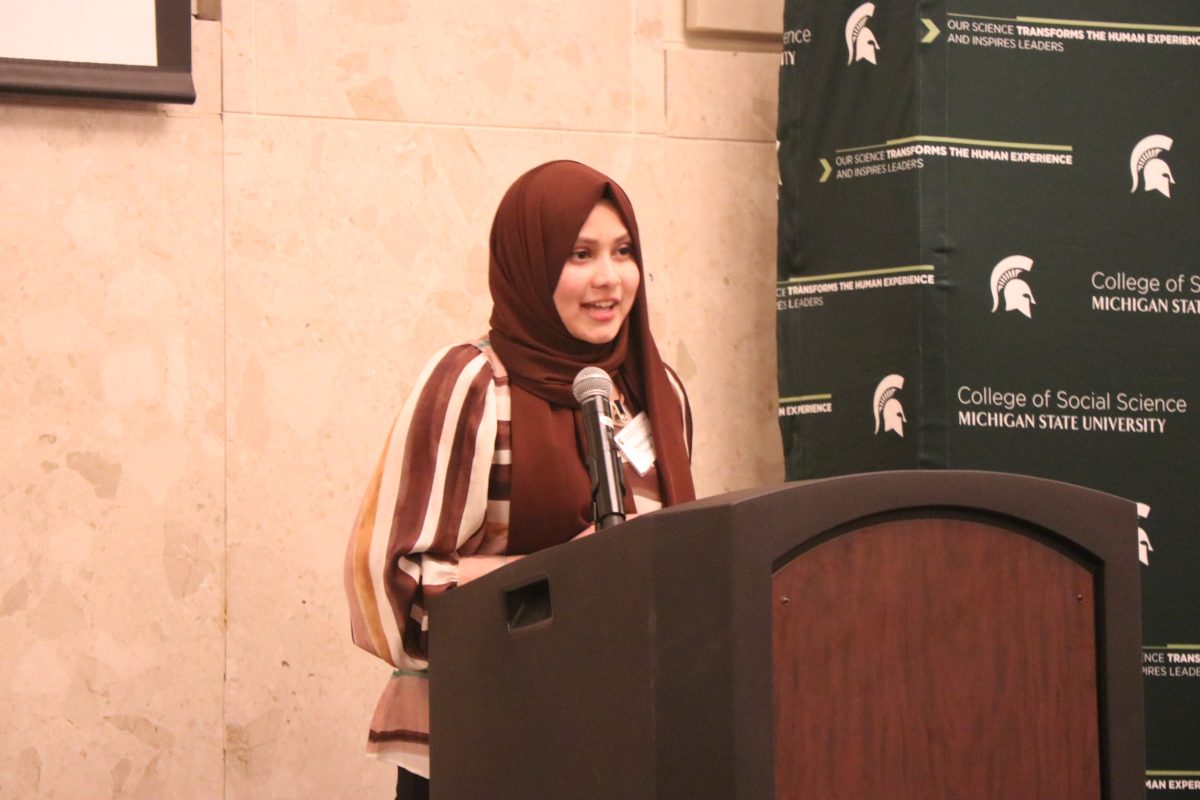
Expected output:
{"points": [[411, 787]]}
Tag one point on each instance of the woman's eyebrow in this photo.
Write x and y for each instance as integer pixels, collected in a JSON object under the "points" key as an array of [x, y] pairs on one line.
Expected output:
{"points": [[594, 240], [625, 237]]}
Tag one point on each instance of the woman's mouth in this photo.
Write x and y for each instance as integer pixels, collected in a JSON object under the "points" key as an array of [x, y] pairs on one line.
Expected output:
{"points": [[601, 309]]}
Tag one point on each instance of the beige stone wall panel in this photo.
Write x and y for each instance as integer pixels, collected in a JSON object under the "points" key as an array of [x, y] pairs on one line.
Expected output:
{"points": [[715, 94], [237, 55], [720, 264], [526, 64], [649, 67], [206, 69], [111, 478]]}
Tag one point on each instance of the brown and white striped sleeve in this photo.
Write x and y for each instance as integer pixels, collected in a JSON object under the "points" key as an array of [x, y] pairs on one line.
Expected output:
{"points": [[427, 496]]}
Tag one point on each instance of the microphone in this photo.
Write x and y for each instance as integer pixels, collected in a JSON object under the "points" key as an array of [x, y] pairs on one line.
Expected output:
{"points": [[592, 389]]}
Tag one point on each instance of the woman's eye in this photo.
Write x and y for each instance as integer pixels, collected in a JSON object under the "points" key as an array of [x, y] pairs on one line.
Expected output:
{"points": [[581, 255], [625, 250]]}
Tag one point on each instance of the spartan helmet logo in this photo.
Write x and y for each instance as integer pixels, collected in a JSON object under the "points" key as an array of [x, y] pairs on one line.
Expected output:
{"points": [[860, 40], [888, 410], [1007, 282], [1145, 161], [1144, 547]]}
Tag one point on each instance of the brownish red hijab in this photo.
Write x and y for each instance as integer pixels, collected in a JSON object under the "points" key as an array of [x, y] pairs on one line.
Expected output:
{"points": [[533, 234]]}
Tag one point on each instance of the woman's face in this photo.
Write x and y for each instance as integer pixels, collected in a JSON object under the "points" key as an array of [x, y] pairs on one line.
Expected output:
{"points": [[599, 281]]}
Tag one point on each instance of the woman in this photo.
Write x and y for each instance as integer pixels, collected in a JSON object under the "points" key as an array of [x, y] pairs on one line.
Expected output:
{"points": [[486, 461]]}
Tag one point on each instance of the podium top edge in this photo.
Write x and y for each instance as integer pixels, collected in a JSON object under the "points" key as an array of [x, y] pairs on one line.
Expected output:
{"points": [[928, 487]]}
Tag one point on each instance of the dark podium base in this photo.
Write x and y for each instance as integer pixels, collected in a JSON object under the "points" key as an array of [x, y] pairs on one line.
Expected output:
{"points": [[896, 635]]}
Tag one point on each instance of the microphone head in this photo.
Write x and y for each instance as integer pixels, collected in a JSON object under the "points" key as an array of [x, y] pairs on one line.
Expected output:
{"points": [[591, 382]]}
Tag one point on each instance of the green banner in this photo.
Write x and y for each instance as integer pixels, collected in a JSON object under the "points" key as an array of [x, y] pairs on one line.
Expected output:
{"points": [[989, 228]]}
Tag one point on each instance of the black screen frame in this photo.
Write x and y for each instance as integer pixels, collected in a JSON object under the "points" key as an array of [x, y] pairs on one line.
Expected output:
{"points": [[169, 82]]}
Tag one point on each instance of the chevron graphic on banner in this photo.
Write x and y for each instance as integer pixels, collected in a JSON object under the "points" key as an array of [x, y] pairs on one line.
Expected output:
{"points": [[931, 30]]}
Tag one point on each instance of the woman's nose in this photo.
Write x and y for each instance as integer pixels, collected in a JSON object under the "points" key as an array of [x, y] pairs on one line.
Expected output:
{"points": [[605, 272]]}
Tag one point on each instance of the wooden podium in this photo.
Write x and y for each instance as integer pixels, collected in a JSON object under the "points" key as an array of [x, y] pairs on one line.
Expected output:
{"points": [[891, 636]]}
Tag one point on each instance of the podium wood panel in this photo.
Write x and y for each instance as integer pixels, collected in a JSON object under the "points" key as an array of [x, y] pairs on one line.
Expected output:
{"points": [[921, 658]]}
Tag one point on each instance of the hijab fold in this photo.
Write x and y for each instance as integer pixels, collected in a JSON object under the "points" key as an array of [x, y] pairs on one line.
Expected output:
{"points": [[533, 234]]}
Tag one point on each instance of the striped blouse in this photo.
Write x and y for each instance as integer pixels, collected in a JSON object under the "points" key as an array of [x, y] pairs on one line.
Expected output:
{"points": [[435, 514]]}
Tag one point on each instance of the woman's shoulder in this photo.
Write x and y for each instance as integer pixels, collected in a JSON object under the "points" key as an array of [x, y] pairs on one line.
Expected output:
{"points": [[456, 362], [458, 382], [462, 377]]}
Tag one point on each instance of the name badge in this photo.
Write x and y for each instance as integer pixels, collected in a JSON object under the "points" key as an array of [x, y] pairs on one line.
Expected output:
{"points": [[636, 443]]}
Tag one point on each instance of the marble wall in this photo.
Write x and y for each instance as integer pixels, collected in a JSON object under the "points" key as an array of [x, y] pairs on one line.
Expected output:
{"points": [[211, 313]]}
